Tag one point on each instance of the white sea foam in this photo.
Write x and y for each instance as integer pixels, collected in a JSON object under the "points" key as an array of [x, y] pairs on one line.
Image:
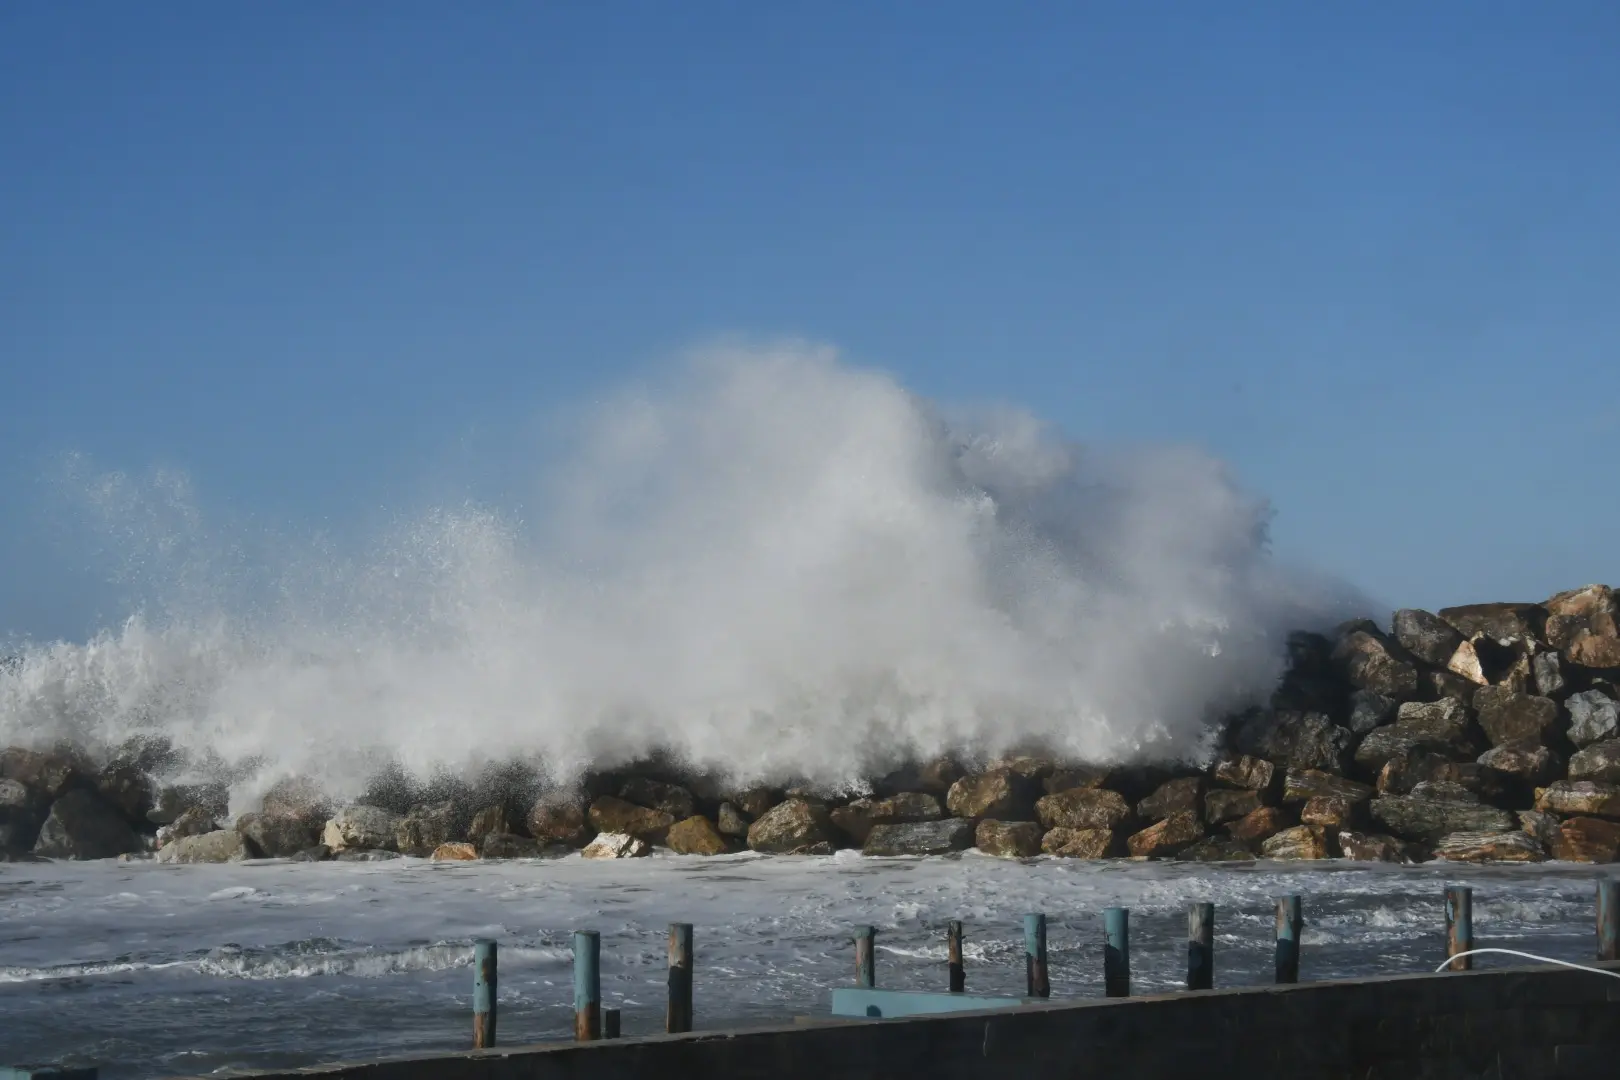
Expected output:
{"points": [[768, 563]]}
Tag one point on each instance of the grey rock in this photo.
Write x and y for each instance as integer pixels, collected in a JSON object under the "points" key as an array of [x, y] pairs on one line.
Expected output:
{"points": [[1008, 839], [1083, 808], [1599, 761], [1431, 819], [1369, 710], [1540, 825], [1444, 791], [1526, 763], [920, 837], [220, 846], [1172, 797], [1505, 624], [279, 836], [47, 773], [509, 846], [365, 855], [82, 826], [731, 821], [361, 828], [791, 826], [1295, 740], [1547, 674], [857, 818], [1426, 636], [1370, 662], [194, 822], [1222, 805], [128, 789], [1593, 717], [1440, 725], [673, 800], [1509, 717]]}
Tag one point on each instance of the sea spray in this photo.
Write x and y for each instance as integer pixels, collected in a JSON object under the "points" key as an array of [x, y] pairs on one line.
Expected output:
{"points": [[768, 564]]}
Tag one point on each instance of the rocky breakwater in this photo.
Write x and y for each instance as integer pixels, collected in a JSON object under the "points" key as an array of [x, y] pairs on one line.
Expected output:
{"points": [[1485, 733]]}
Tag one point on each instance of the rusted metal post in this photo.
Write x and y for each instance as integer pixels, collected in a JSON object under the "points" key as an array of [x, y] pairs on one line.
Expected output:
{"points": [[1460, 925], [1608, 919], [1117, 952], [483, 994], [865, 966], [953, 956], [610, 1023], [1035, 980], [587, 986], [678, 1017], [1289, 925], [1201, 947]]}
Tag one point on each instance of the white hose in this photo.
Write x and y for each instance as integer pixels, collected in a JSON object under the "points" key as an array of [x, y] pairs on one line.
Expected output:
{"points": [[1530, 956]]}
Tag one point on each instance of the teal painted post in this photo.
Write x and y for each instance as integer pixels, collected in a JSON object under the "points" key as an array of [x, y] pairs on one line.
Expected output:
{"points": [[1289, 925], [865, 964], [1117, 952], [1036, 982], [678, 1016], [1608, 919], [587, 986], [1201, 947], [1459, 926], [483, 994]]}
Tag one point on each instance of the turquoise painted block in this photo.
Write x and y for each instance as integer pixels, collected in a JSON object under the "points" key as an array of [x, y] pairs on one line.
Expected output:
{"points": [[887, 1004]]}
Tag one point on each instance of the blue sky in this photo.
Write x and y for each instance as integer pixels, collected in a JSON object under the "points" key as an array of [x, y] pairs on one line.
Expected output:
{"points": [[311, 253]]}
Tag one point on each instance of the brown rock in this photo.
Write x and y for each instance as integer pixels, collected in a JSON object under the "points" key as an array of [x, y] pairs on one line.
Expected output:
{"points": [[1524, 763], [1008, 839], [1587, 798], [1031, 767], [1509, 717], [1587, 840], [1264, 822], [275, 836], [1403, 772], [1300, 842], [1593, 717], [1222, 805], [1254, 773], [1172, 797], [1077, 776], [696, 835], [1168, 836], [418, 833], [1372, 663], [491, 819], [1083, 808], [455, 852], [1489, 847], [1305, 784], [1078, 843], [1372, 847], [1465, 662], [559, 819], [1593, 651], [857, 818], [1426, 636], [1217, 849], [1300, 740], [1600, 762], [673, 800], [1329, 811], [613, 815], [1505, 624], [1543, 827], [500, 845], [1445, 791], [794, 826], [1430, 819], [999, 793], [754, 801], [1593, 605]]}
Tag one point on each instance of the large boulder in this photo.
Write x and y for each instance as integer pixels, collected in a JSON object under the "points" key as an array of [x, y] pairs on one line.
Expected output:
{"points": [[47, 773], [1416, 818], [934, 777], [289, 795], [754, 801], [194, 822], [616, 846], [128, 788], [1167, 837], [1172, 797], [920, 837], [1538, 824], [1426, 636], [1599, 761], [1253, 773], [1369, 710], [362, 828], [732, 822], [1216, 849], [672, 799], [1003, 793], [1008, 839], [21, 811], [1479, 847], [1593, 717], [559, 819], [856, 819], [1329, 811], [426, 828], [1083, 808], [1301, 785], [220, 846], [1526, 764], [1300, 842], [1580, 616], [505, 845], [1586, 798], [614, 815], [1547, 675], [696, 835], [1296, 740], [1439, 725], [1068, 777], [1587, 840], [791, 827], [1445, 791], [1372, 847], [1370, 662], [1504, 624], [1594, 651], [82, 826], [1222, 804], [1264, 822], [487, 821], [1078, 843], [278, 836], [1509, 717], [455, 851]]}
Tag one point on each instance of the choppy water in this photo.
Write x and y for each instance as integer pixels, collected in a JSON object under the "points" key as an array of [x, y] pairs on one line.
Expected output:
{"points": [[152, 970]]}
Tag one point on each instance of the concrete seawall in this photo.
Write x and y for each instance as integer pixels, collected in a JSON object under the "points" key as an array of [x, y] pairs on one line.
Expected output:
{"points": [[1522, 1022]]}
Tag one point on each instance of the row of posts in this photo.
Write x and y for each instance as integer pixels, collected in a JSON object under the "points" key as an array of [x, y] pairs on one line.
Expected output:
{"points": [[592, 1022]]}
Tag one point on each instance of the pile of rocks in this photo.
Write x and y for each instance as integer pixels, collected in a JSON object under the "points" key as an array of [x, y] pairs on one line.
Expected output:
{"points": [[1481, 733]]}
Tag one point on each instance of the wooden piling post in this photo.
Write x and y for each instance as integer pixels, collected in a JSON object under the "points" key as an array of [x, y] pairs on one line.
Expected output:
{"points": [[1035, 980], [678, 1017], [1459, 925], [1608, 919], [587, 986], [1289, 926], [953, 956], [610, 1023], [865, 965], [483, 994], [1201, 947], [1117, 952]]}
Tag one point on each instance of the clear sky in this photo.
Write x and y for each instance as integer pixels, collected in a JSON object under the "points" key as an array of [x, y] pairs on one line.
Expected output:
{"points": [[1368, 253]]}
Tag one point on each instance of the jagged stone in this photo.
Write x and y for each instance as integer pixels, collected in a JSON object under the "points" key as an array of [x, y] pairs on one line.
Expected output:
{"points": [[1426, 636], [732, 822], [1509, 717], [1168, 836], [1587, 840], [1172, 797], [128, 789], [421, 831], [505, 845], [1264, 822], [1370, 662], [1505, 624], [1592, 651], [754, 801], [1032, 767], [47, 773], [1372, 847], [790, 827], [672, 799], [616, 846], [1444, 791], [1593, 717], [1078, 843], [294, 795], [1430, 819], [1221, 805], [1301, 785], [1547, 674], [1599, 761], [194, 822], [1472, 776], [559, 818], [1465, 663], [1518, 847], [1253, 773], [1008, 839], [857, 818], [697, 835], [920, 837], [1300, 842], [81, 826], [490, 819], [1369, 710], [999, 793], [1586, 798], [1401, 773], [1592, 607], [933, 777], [1328, 811], [1217, 849], [220, 846], [1439, 725], [1542, 826], [279, 836], [1524, 763], [366, 828], [454, 851], [1077, 776], [1295, 740], [1083, 808], [610, 814]]}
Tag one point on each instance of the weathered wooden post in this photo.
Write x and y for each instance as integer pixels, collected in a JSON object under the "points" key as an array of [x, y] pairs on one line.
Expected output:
{"points": [[1117, 952], [865, 966], [1289, 926], [587, 986], [1035, 980], [1608, 919], [953, 956], [678, 1017], [1201, 947], [610, 1023], [483, 994], [1459, 925]]}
